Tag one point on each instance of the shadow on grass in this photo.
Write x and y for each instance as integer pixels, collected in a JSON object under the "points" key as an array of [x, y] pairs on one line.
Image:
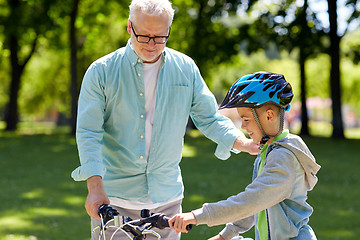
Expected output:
{"points": [[39, 199], [336, 197]]}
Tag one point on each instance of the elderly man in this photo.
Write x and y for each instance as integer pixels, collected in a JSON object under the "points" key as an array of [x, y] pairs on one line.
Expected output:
{"points": [[133, 110]]}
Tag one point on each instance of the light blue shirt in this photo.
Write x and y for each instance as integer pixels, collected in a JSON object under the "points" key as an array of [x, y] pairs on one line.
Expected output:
{"points": [[111, 125]]}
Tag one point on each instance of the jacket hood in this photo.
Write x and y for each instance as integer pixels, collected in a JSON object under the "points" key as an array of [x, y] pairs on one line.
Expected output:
{"points": [[298, 147]]}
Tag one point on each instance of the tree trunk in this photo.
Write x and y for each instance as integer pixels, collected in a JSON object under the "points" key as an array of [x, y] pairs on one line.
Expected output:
{"points": [[338, 129], [304, 114], [17, 69], [11, 113], [302, 58]]}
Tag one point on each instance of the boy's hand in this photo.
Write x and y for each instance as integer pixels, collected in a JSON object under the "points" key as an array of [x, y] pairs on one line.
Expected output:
{"points": [[246, 145], [180, 221], [217, 237]]}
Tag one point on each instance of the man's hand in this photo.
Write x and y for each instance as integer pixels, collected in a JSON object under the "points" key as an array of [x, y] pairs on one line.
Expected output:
{"points": [[180, 221], [246, 145], [217, 237], [96, 196]]}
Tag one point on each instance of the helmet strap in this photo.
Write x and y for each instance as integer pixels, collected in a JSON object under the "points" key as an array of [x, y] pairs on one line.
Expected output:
{"points": [[282, 120], [266, 137]]}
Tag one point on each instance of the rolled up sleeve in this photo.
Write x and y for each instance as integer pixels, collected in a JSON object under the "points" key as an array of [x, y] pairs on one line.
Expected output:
{"points": [[224, 148], [87, 170]]}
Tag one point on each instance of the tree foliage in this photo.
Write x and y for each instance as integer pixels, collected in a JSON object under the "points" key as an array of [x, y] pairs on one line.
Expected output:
{"points": [[24, 22]]}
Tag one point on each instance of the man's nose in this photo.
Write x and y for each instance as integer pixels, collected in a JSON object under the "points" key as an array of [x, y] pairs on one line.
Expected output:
{"points": [[152, 42]]}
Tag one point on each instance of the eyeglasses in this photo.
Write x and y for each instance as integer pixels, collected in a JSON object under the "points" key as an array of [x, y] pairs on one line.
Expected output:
{"points": [[146, 39]]}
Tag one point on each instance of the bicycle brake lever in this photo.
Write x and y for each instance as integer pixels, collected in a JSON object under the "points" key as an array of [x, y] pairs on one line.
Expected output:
{"points": [[151, 232], [134, 230]]}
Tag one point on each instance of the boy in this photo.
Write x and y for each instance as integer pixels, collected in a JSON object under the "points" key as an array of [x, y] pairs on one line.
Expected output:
{"points": [[284, 170]]}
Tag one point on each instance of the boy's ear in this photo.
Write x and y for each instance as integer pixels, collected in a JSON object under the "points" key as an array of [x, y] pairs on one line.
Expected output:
{"points": [[270, 114]]}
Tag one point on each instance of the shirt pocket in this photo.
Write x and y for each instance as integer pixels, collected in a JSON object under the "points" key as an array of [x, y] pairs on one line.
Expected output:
{"points": [[179, 100]]}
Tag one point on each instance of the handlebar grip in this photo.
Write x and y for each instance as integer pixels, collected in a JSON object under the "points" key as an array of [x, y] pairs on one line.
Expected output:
{"points": [[189, 227], [166, 223], [107, 213]]}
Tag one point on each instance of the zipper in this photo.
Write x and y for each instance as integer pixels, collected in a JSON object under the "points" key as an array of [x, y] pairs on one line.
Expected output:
{"points": [[268, 224]]}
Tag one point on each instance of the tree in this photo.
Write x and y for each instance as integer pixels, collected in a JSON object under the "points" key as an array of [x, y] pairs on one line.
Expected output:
{"points": [[304, 34], [303, 55], [25, 22], [65, 29], [334, 52]]}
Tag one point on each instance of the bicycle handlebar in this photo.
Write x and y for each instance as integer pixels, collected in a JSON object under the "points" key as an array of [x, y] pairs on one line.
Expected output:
{"points": [[137, 227], [157, 220]]}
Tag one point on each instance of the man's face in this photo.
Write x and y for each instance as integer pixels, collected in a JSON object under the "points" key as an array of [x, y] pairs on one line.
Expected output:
{"points": [[149, 26]]}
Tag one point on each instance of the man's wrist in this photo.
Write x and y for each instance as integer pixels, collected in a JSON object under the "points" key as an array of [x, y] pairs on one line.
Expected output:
{"points": [[240, 143], [244, 144], [95, 183]]}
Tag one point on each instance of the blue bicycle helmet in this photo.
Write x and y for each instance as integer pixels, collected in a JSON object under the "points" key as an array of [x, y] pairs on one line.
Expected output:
{"points": [[257, 89]]}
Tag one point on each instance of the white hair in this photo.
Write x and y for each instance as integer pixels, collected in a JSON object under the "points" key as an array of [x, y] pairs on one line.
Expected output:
{"points": [[151, 8]]}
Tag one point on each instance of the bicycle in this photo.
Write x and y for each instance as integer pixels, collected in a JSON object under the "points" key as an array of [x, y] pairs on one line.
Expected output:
{"points": [[133, 229]]}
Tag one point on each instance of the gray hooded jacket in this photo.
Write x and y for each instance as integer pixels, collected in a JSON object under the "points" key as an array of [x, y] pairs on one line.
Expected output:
{"points": [[280, 189]]}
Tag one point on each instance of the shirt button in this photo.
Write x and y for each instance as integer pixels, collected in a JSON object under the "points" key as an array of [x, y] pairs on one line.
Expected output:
{"points": [[147, 172], [139, 74], [139, 60], [141, 94], [141, 116], [141, 157], [141, 136]]}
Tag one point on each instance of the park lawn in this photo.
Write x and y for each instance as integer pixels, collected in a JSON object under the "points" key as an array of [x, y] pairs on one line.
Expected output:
{"points": [[39, 200]]}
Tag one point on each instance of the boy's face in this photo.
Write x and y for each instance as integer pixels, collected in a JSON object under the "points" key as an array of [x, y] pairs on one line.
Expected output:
{"points": [[249, 124], [269, 119]]}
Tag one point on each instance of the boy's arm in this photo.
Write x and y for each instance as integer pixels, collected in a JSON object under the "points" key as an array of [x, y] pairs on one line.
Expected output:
{"points": [[233, 229], [272, 186], [180, 221]]}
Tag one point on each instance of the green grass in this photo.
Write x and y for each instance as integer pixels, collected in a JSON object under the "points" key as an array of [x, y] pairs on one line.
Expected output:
{"points": [[40, 201]]}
